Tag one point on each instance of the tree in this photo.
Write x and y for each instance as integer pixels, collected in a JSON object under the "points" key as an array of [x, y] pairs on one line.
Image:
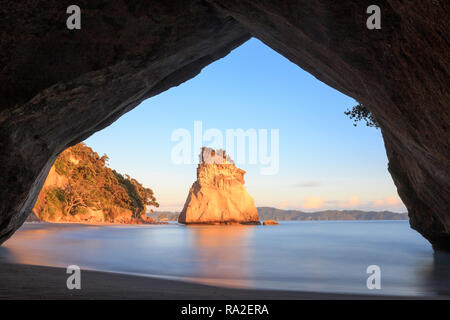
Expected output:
{"points": [[140, 197], [359, 113], [74, 198]]}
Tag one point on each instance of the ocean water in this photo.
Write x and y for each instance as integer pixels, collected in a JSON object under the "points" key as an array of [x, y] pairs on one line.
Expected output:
{"points": [[317, 256]]}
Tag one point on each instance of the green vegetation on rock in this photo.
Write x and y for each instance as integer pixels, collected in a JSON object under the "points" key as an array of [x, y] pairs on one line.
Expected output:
{"points": [[360, 113], [84, 182]]}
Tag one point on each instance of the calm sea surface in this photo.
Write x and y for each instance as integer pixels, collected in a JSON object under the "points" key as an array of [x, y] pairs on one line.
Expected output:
{"points": [[321, 256]]}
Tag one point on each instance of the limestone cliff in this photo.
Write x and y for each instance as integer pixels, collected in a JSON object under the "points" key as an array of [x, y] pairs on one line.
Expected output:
{"points": [[218, 196]]}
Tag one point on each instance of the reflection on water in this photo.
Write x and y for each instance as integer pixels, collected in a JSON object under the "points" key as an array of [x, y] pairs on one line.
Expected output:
{"points": [[440, 275], [22, 248], [222, 254], [319, 256]]}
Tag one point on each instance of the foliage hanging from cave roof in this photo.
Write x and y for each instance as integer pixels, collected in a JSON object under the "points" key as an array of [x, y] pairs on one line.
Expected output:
{"points": [[361, 113]]}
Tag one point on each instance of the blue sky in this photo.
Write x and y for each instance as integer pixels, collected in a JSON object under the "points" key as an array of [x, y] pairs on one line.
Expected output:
{"points": [[325, 162]]}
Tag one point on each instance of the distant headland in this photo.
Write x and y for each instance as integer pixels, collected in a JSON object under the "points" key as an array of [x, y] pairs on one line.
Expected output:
{"points": [[269, 213]]}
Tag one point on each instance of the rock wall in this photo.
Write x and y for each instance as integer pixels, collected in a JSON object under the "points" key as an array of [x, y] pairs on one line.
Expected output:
{"points": [[218, 196], [59, 86]]}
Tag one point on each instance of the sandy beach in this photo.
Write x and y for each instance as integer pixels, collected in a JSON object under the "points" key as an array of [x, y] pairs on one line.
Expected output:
{"points": [[36, 282]]}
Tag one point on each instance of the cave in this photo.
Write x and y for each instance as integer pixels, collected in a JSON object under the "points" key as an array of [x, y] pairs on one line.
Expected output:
{"points": [[60, 85]]}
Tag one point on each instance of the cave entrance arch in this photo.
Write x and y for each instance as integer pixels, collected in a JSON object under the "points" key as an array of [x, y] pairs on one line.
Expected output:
{"points": [[271, 101], [60, 87]]}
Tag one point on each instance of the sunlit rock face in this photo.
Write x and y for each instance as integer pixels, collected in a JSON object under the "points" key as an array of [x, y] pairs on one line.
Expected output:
{"points": [[218, 196], [270, 223]]}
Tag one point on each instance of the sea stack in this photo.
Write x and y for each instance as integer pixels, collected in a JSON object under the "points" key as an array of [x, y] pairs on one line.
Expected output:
{"points": [[218, 196]]}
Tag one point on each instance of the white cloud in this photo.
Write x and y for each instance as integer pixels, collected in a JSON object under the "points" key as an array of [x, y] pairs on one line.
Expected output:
{"points": [[313, 203]]}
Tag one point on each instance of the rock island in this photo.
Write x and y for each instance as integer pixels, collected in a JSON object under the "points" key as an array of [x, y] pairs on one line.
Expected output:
{"points": [[218, 196]]}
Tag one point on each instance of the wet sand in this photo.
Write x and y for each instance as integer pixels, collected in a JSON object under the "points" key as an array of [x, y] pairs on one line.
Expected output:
{"points": [[18, 281]]}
